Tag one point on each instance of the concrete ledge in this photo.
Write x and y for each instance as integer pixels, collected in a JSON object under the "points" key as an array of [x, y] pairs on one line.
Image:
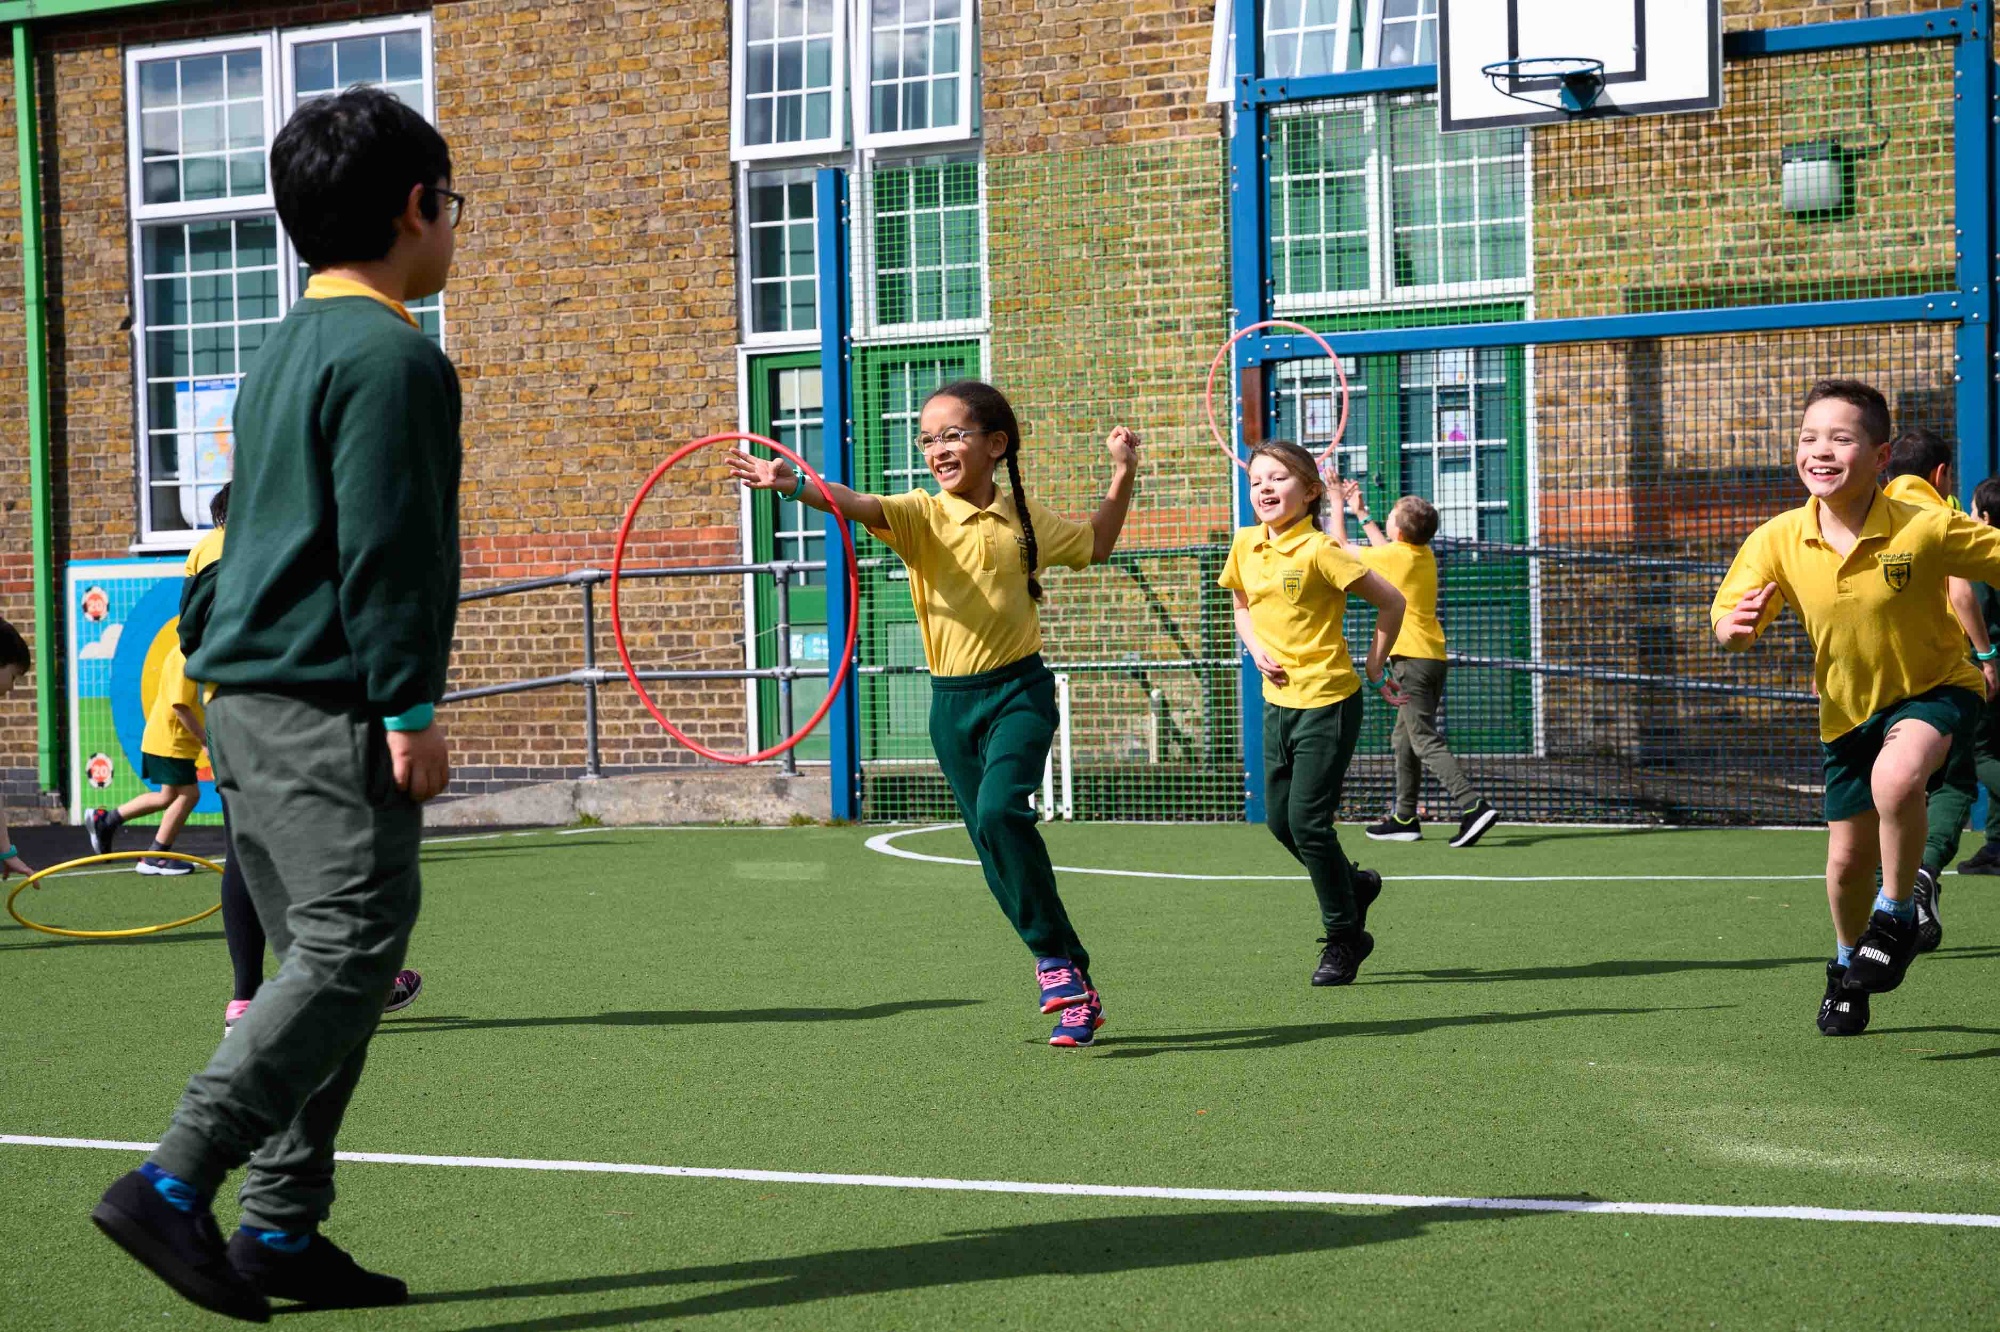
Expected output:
{"points": [[753, 795]]}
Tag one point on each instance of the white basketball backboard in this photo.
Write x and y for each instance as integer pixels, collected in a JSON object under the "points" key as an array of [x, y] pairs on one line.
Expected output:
{"points": [[1658, 56]]}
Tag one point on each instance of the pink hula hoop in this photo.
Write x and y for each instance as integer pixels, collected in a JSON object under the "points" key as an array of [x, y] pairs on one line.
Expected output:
{"points": [[853, 600], [1228, 446]]}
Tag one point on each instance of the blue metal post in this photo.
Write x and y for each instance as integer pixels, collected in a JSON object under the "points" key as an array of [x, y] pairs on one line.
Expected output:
{"points": [[1249, 250], [1975, 154], [837, 411]]}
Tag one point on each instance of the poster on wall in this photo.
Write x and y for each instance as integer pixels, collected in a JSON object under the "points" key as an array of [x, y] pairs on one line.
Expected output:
{"points": [[204, 414], [124, 617]]}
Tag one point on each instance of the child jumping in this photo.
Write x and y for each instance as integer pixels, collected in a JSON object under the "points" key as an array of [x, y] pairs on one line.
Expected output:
{"points": [[1897, 691], [328, 645], [975, 553], [1403, 556], [1290, 586]]}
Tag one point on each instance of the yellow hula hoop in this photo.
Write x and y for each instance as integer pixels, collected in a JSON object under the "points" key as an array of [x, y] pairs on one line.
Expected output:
{"points": [[34, 881]]}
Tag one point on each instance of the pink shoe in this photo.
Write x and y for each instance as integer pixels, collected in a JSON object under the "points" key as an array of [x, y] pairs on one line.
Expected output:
{"points": [[237, 1008], [1079, 1023], [403, 991]]}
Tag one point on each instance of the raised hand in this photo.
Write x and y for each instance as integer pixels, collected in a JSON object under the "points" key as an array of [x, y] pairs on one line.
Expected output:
{"points": [[759, 473], [1123, 443]]}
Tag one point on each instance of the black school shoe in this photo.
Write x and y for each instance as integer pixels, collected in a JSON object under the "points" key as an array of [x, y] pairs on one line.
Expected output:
{"points": [[1367, 887], [1473, 825], [1883, 954], [320, 1276], [1842, 1011], [1340, 961], [183, 1249], [1393, 829], [1930, 926], [1986, 860]]}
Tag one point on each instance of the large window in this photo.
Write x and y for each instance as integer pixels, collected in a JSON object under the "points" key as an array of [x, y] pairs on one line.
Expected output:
{"points": [[778, 244], [926, 242], [1370, 203], [789, 63], [919, 54], [213, 269]]}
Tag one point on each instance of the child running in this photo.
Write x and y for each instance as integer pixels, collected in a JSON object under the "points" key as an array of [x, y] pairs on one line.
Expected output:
{"points": [[168, 751], [975, 554], [1868, 576], [1403, 555], [1290, 585], [328, 645]]}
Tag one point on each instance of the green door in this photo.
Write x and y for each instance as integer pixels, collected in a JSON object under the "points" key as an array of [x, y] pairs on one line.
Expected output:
{"points": [[890, 385], [785, 406]]}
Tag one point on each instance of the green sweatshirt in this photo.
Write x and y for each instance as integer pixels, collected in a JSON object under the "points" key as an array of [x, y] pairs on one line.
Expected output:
{"points": [[342, 570]]}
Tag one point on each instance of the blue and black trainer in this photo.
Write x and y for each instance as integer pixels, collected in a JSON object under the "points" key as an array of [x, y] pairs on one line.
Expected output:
{"points": [[1061, 981], [1079, 1023]]}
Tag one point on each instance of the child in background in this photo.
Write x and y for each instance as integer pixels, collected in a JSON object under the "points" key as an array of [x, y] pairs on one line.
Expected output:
{"points": [[1897, 692], [168, 752], [1290, 586], [1403, 556], [14, 664], [975, 554], [1986, 740]]}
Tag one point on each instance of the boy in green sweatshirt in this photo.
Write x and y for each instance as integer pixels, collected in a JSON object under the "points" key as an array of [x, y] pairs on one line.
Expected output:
{"points": [[328, 643]]}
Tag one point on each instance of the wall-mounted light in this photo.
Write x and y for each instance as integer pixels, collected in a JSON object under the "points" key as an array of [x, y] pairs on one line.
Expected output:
{"points": [[1817, 179]]}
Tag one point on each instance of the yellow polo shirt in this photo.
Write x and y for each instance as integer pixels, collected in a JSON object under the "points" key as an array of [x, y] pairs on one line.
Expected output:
{"points": [[969, 575], [1881, 628], [165, 736], [319, 288], [1412, 570], [1296, 584]]}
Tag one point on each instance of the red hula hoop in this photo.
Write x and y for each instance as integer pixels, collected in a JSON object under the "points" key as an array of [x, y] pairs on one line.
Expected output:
{"points": [[1339, 428], [853, 600]]}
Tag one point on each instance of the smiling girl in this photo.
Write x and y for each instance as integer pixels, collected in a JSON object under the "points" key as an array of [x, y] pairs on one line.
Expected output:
{"points": [[975, 553], [1290, 585]]}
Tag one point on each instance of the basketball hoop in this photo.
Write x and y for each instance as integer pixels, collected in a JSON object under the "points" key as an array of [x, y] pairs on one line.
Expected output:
{"points": [[1576, 82]]}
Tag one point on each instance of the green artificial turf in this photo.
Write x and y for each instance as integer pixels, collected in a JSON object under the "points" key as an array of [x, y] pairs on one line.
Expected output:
{"points": [[790, 1000]]}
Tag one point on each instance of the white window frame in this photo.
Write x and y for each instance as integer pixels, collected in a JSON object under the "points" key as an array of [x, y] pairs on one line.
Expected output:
{"points": [[790, 339], [1343, 38], [838, 92], [965, 129], [1381, 171], [277, 48], [1221, 68], [1371, 52], [867, 321]]}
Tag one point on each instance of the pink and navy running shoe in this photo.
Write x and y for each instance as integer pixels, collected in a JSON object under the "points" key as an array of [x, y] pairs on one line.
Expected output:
{"points": [[1079, 1023], [1062, 983]]}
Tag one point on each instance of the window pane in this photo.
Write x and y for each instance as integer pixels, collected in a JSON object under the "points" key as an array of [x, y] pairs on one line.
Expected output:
{"points": [[195, 109], [159, 83], [202, 130], [203, 178], [358, 60], [202, 79], [759, 69], [404, 56], [313, 67], [791, 66], [159, 133], [819, 112]]}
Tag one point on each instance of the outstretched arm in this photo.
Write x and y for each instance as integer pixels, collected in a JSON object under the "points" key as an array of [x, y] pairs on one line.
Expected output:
{"points": [[1109, 520], [773, 474]]}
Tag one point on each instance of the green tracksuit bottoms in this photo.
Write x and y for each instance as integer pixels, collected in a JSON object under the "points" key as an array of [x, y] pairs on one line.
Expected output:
{"points": [[992, 733], [1965, 769], [329, 852], [1306, 752]]}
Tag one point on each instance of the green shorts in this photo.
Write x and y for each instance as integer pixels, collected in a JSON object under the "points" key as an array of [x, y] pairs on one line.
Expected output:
{"points": [[1850, 760], [162, 771]]}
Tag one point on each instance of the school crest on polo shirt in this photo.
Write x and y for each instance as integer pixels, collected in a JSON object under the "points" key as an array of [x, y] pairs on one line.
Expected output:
{"points": [[1896, 566], [1293, 582]]}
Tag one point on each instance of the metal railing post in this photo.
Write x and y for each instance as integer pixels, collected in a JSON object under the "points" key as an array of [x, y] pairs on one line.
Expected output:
{"points": [[593, 763], [781, 574]]}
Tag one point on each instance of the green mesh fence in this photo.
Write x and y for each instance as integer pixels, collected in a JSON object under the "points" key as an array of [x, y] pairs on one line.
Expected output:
{"points": [[1591, 494]]}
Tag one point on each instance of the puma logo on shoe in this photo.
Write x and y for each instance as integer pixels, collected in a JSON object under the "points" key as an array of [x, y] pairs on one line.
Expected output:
{"points": [[1874, 954]]}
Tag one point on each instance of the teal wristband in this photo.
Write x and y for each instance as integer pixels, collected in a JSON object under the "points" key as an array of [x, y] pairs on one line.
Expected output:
{"points": [[1987, 655], [418, 718], [798, 485], [1377, 684], [13, 852]]}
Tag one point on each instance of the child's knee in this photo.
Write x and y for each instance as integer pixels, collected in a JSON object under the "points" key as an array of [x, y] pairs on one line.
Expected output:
{"points": [[1897, 783]]}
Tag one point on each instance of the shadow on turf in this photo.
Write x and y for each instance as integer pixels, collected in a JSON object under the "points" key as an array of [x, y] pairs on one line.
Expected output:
{"points": [[1275, 1038], [1587, 970], [172, 936], [683, 1017], [1084, 1247], [1993, 1053]]}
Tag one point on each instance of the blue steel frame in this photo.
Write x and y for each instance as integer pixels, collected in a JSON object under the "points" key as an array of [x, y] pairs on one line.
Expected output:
{"points": [[836, 409], [1975, 149]]}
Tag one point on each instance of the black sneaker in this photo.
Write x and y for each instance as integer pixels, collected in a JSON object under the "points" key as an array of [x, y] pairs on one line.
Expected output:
{"points": [[1367, 887], [1842, 1011], [163, 867], [321, 1276], [1393, 829], [1882, 955], [1340, 961], [1930, 926], [1986, 860], [1474, 824], [183, 1249], [96, 826]]}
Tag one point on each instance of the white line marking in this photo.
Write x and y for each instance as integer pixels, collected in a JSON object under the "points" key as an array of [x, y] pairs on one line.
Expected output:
{"points": [[1313, 1197], [885, 844]]}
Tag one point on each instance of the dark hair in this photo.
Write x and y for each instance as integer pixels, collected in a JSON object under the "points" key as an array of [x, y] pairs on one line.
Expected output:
{"points": [[1986, 496], [13, 647], [1867, 398], [990, 408], [218, 505], [1416, 518], [1300, 464], [342, 169], [1918, 452]]}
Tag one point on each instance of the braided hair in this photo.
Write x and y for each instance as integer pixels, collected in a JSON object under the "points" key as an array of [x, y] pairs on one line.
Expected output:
{"points": [[990, 408]]}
